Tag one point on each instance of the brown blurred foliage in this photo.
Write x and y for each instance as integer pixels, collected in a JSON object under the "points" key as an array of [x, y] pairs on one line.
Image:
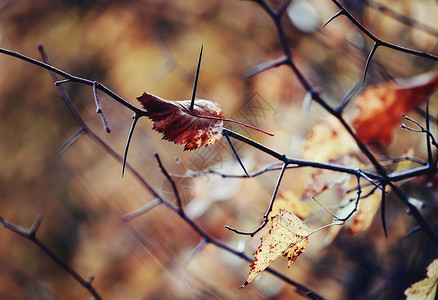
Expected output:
{"points": [[152, 46]]}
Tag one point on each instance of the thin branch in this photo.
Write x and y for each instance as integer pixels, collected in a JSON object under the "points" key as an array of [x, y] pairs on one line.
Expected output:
{"points": [[282, 7], [224, 133], [348, 97], [382, 213], [412, 231], [367, 64], [197, 249], [135, 118], [70, 141], [422, 129], [265, 66], [415, 212], [299, 162], [428, 136], [31, 236], [300, 288], [73, 78], [381, 42], [99, 108], [381, 176], [141, 210], [356, 203], [172, 183], [307, 101], [403, 18], [268, 211], [308, 87]]}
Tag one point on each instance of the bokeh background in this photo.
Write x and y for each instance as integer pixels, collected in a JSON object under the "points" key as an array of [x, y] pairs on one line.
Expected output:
{"points": [[153, 46]]}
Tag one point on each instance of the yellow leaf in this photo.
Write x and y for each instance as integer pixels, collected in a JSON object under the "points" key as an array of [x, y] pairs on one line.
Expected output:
{"points": [[426, 288], [368, 207], [405, 164], [287, 237], [367, 210], [290, 201], [328, 140]]}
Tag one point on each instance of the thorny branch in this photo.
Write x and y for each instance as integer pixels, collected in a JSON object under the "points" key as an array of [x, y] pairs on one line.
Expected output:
{"points": [[380, 177], [30, 234], [160, 200], [383, 178]]}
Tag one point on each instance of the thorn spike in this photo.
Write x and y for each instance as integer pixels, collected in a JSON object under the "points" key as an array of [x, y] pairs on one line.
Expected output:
{"points": [[195, 83]]}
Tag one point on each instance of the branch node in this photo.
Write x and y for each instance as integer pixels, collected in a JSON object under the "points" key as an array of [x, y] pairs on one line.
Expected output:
{"points": [[90, 278], [36, 224]]}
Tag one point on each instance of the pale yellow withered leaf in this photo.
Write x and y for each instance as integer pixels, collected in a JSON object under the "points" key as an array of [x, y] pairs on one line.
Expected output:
{"points": [[287, 237], [369, 206], [425, 289], [290, 201]]}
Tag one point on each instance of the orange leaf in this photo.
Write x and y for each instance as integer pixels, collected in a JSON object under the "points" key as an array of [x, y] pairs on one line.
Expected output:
{"points": [[425, 289], [287, 237], [202, 126], [381, 106]]}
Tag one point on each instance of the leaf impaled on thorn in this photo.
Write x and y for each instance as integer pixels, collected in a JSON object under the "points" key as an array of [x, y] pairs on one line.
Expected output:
{"points": [[287, 237], [200, 127]]}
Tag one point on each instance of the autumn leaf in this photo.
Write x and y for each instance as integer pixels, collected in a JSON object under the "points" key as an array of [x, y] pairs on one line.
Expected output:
{"points": [[202, 126], [425, 289], [287, 237], [367, 210], [381, 106], [369, 206], [328, 140], [323, 180], [292, 203]]}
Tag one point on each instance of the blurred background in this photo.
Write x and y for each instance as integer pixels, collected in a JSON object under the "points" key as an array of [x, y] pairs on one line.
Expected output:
{"points": [[152, 46]]}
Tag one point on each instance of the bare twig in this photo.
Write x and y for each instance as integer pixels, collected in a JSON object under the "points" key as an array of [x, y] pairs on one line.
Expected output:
{"points": [[171, 181], [99, 108], [135, 118], [382, 176], [177, 209], [379, 178], [30, 235], [268, 211]]}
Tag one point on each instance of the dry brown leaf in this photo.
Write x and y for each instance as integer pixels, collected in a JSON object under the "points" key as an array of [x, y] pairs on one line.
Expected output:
{"points": [[382, 106], [287, 237], [425, 289], [202, 126]]}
